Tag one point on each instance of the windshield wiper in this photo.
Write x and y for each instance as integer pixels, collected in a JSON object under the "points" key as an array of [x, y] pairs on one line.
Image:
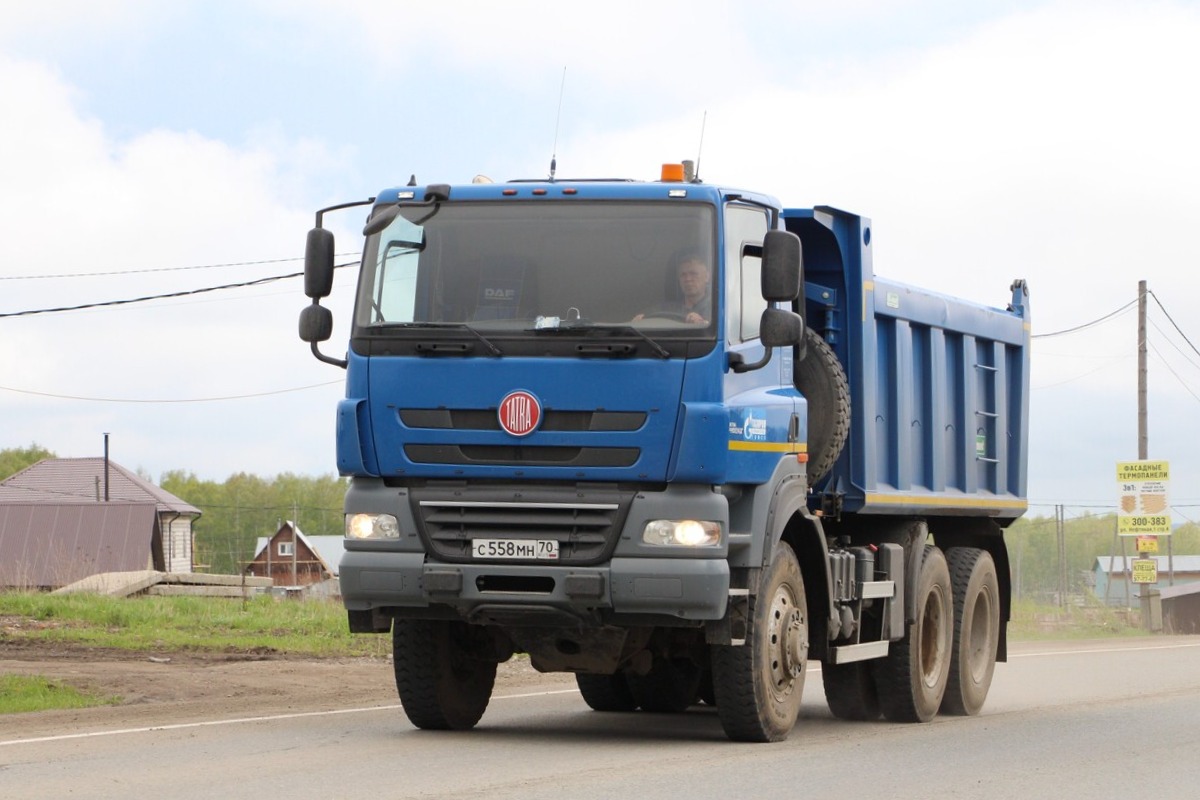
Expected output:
{"points": [[582, 326], [492, 348]]}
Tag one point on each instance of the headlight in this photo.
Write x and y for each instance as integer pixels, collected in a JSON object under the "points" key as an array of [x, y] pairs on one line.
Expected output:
{"points": [[683, 532], [372, 526]]}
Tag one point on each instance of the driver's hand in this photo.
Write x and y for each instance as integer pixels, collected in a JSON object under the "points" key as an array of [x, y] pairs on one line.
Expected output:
{"points": [[694, 317]]}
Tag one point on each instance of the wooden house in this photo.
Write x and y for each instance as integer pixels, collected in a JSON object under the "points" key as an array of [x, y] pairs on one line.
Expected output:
{"points": [[294, 560]]}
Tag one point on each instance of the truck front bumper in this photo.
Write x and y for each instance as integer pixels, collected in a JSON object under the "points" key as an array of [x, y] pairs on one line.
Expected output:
{"points": [[684, 588]]}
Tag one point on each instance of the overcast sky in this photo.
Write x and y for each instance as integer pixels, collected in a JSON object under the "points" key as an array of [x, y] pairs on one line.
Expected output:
{"points": [[152, 148]]}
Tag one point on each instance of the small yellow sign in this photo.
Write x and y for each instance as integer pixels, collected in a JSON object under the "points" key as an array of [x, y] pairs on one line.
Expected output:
{"points": [[1147, 544], [1145, 570]]}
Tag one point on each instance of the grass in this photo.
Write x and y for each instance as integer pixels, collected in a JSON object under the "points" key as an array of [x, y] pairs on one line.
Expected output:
{"points": [[317, 628], [1033, 621], [22, 693], [313, 628]]}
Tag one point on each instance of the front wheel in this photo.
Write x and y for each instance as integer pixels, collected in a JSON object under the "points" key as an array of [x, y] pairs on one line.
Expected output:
{"points": [[976, 629], [912, 678], [444, 675], [758, 685]]}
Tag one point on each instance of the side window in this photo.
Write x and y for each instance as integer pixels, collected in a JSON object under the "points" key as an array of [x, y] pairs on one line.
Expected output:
{"points": [[743, 288]]}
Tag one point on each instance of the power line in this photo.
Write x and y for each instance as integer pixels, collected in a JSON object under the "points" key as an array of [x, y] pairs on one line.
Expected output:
{"points": [[166, 296], [1085, 325], [1171, 370], [155, 269], [1177, 329], [180, 400]]}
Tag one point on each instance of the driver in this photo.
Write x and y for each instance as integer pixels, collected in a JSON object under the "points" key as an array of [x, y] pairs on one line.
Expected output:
{"points": [[695, 298]]}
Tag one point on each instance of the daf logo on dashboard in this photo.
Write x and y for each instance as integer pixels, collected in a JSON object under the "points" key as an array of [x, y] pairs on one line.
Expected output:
{"points": [[520, 413]]}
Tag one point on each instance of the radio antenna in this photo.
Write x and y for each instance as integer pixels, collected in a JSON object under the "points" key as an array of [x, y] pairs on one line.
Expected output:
{"points": [[558, 118], [700, 149]]}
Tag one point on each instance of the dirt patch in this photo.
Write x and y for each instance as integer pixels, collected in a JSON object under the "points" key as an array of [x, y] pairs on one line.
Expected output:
{"points": [[172, 688]]}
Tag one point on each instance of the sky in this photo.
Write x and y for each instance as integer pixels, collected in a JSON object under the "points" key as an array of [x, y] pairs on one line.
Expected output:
{"points": [[157, 148]]}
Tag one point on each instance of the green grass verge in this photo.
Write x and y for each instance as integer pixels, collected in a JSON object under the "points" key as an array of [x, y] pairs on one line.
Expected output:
{"points": [[263, 624], [22, 693], [1033, 621]]}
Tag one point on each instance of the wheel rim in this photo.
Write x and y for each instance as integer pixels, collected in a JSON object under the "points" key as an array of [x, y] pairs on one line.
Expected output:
{"points": [[933, 645], [788, 641], [979, 657]]}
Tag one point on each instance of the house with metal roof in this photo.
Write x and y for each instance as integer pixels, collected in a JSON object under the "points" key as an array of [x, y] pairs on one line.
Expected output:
{"points": [[64, 501]]}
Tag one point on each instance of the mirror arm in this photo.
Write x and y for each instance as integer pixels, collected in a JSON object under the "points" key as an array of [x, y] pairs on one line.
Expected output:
{"points": [[739, 365], [337, 362]]}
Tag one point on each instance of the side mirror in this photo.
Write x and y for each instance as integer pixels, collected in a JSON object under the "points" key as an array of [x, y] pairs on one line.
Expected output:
{"points": [[777, 328], [780, 328], [318, 263], [316, 324], [782, 266]]}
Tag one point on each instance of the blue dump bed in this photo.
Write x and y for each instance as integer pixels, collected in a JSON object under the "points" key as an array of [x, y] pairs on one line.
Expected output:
{"points": [[938, 385]]}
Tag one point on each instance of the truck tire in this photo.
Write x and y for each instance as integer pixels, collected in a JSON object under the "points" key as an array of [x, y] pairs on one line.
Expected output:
{"points": [[912, 678], [758, 685], [443, 682], [850, 691], [976, 629], [606, 692], [670, 687], [820, 378]]}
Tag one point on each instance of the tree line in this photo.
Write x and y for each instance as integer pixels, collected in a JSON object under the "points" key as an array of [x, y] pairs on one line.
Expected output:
{"points": [[243, 508]]}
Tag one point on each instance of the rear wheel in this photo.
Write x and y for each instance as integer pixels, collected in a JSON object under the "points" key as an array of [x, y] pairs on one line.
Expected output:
{"points": [[912, 679], [976, 629], [850, 691], [443, 675], [758, 685], [606, 692]]}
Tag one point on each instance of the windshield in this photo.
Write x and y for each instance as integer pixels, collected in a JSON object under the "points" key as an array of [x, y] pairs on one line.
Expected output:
{"points": [[526, 268]]}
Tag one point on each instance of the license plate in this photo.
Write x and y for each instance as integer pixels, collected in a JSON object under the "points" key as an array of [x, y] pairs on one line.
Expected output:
{"points": [[539, 549]]}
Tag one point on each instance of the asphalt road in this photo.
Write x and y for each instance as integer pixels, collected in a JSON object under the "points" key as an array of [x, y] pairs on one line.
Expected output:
{"points": [[1064, 720]]}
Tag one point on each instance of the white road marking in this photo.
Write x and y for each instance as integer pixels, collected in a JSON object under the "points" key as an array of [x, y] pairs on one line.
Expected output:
{"points": [[244, 720]]}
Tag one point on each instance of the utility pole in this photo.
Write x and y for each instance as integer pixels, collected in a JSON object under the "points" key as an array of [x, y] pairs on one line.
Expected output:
{"points": [[1143, 429], [1143, 434]]}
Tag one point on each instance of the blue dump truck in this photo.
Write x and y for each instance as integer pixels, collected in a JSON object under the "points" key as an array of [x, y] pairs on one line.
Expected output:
{"points": [[676, 439]]}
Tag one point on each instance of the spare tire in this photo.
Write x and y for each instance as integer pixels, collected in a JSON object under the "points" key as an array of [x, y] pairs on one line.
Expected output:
{"points": [[820, 378]]}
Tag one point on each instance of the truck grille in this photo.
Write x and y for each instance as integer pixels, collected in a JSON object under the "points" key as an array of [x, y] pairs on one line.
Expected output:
{"points": [[525, 455], [554, 420], [586, 528]]}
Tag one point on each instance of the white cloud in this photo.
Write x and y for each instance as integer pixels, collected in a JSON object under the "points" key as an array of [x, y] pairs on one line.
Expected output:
{"points": [[163, 199]]}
